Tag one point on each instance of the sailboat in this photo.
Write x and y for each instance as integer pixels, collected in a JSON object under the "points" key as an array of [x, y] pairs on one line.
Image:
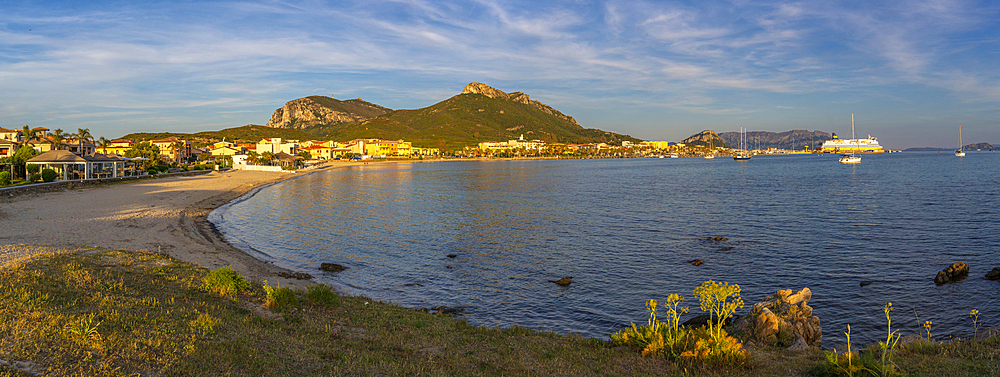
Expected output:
{"points": [[742, 153], [852, 158], [960, 152]]}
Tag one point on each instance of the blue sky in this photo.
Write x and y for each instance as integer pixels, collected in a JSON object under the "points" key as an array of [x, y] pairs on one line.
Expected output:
{"points": [[910, 71]]}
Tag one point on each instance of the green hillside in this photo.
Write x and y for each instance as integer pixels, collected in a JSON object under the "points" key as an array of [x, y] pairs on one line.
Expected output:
{"points": [[466, 120], [250, 133]]}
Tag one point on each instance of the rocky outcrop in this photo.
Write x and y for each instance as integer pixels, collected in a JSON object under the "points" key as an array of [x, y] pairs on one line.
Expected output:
{"points": [[563, 282], [317, 110], [957, 271], [486, 90], [706, 138], [993, 274], [784, 318], [331, 267]]}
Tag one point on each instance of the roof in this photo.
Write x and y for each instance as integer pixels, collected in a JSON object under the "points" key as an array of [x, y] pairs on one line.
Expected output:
{"points": [[58, 156], [282, 156], [6, 130], [97, 157], [5, 141]]}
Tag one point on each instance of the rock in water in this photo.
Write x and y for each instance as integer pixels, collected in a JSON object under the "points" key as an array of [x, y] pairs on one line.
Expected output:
{"points": [[783, 312], [721, 238], [332, 267], [696, 262], [957, 271], [563, 282], [994, 274]]}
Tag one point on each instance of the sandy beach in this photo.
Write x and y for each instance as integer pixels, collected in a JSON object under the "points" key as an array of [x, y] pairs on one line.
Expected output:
{"points": [[165, 215]]}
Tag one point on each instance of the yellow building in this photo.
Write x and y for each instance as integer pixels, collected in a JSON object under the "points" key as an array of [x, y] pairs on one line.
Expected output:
{"points": [[656, 144], [173, 148], [117, 147]]}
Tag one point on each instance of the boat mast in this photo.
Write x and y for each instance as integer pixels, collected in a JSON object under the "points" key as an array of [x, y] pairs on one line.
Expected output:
{"points": [[960, 142], [853, 136]]}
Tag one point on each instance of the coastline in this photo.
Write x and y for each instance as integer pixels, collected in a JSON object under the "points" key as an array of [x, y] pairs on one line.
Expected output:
{"points": [[168, 215]]}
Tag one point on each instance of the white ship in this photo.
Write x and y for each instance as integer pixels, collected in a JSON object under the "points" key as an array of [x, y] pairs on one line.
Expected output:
{"points": [[852, 145]]}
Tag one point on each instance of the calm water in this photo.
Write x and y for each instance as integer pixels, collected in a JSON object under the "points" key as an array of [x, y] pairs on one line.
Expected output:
{"points": [[624, 229]]}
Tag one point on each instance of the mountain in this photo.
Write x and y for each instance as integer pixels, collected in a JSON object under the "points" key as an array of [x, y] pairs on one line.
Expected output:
{"points": [[978, 147], [784, 140], [968, 147], [250, 133], [707, 138], [480, 113], [318, 110]]}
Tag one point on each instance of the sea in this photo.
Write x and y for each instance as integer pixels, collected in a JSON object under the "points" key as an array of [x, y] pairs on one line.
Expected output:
{"points": [[487, 237]]}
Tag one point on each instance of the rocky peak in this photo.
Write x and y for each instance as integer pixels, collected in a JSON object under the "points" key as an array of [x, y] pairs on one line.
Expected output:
{"points": [[486, 90], [318, 110], [707, 138]]}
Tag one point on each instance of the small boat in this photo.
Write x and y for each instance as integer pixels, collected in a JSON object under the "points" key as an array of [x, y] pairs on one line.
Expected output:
{"points": [[960, 152], [709, 157], [851, 158], [674, 155]]}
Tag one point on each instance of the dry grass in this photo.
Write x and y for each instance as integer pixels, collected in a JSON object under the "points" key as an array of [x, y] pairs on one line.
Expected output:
{"points": [[107, 312]]}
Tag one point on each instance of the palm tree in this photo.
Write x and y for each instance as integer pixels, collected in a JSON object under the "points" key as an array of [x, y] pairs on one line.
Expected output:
{"points": [[83, 134], [268, 156], [57, 136], [253, 158], [103, 142], [26, 131], [177, 147]]}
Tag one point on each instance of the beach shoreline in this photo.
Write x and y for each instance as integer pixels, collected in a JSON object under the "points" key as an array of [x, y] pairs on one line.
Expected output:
{"points": [[168, 215]]}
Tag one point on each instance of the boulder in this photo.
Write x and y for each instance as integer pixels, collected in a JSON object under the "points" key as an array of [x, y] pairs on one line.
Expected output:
{"points": [[994, 274], [331, 267], [721, 238], [955, 272], [783, 317], [563, 282]]}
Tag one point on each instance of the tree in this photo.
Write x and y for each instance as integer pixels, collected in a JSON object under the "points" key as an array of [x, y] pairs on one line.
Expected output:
{"points": [[146, 150], [57, 137], [267, 156], [103, 142], [176, 148], [306, 155], [22, 155], [26, 131], [253, 158], [83, 134]]}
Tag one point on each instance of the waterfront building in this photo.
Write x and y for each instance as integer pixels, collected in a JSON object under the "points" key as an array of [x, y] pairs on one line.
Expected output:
{"points": [[118, 147], [276, 145], [173, 148]]}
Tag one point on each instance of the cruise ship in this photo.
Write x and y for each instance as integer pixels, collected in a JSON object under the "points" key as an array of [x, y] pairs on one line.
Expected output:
{"points": [[851, 145]]}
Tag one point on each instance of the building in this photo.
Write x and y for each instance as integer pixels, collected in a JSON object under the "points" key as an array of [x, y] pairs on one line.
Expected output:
{"points": [[10, 135], [276, 145], [117, 147], [7, 148], [70, 166], [173, 148], [512, 145]]}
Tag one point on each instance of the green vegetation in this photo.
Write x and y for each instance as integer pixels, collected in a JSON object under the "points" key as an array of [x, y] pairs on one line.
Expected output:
{"points": [[706, 345], [246, 134], [4, 178], [99, 312], [49, 175], [466, 120], [225, 282]]}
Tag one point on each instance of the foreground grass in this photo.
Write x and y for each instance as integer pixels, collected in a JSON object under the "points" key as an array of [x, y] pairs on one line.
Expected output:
{"points": [[108, 312]]}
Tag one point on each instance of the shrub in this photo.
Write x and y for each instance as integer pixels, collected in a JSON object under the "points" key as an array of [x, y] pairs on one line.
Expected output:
{"points": [[4, 178], [279, 299], [32, 169], [35, 177], [657, 338], [322, 295], [49, 175], [226, 282]]}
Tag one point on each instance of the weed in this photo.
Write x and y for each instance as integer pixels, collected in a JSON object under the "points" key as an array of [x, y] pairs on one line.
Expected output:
{"points": [[720, 301], [885, 366], [279, 299], [204, 324], [322, 295], [225, 281], [84, 328], [974, 314]]}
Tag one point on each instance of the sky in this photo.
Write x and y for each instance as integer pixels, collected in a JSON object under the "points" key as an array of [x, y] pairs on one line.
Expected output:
{"points": [[911, 72]]}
